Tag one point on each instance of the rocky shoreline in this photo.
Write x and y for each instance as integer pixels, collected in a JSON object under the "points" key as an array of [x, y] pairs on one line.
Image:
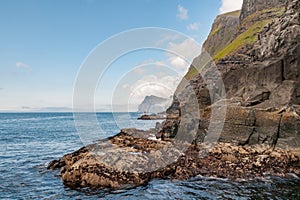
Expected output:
{"points": [[111, 164], [152, 117]]}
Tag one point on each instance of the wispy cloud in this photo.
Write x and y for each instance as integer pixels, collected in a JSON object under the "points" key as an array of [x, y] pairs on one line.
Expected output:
{"points": [[178, 62], [186, 50], [230, 5], [153, 85], [193, 27], [23, 66], [182, 13], [126, 86], [139, 70], [166, 39]]}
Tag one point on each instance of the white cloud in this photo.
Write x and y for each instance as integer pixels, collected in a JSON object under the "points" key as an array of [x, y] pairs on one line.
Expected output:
{"points": [[159, 64], [160, 74], [153, 85], [186, 50], [159, 80], [178, 62], [230, 5], [125, 86], [165, 39], [182, 13], [193, 27], [23, 65], [139, 70]]}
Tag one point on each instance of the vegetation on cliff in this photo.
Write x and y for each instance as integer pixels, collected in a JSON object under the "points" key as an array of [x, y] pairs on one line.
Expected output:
{"points": [[229, 34], [248, 37]]}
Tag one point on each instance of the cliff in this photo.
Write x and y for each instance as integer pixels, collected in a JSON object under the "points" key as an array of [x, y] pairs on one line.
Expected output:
{"points": [[260, 70], [154, 104], [223, 31], [234, 30], [234, 115], [254, 6]]}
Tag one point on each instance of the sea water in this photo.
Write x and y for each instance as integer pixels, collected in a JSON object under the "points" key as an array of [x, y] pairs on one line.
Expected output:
{"points": [[29, 141]]}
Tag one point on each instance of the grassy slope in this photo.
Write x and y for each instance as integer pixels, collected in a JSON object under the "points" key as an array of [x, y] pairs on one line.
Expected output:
{"points": [[234, 13], [247, 37], [250, 35]]}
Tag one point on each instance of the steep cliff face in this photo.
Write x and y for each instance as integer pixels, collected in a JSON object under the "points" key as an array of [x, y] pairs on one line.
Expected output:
{"points": [[252, 6], [223, 31], [270, 72], [260, 69], [230, 31], [234, 33], [154, 104]]}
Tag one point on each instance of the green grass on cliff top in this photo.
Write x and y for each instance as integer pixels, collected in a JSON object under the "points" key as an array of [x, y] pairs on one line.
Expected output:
{"points": [[214, 31], [191, 73], [250, 35], [234, 14], [247, 37], [272, 12]]}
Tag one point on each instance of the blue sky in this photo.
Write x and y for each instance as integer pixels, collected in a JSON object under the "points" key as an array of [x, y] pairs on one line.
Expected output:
{"points": [[44, 43]]}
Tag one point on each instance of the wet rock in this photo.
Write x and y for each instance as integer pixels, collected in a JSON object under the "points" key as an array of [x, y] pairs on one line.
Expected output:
{"points": [[169, 129], [151, 117], [117, 165]]}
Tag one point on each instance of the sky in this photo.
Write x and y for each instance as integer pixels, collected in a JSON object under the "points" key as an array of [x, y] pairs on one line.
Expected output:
{"points": [[45, 44]]}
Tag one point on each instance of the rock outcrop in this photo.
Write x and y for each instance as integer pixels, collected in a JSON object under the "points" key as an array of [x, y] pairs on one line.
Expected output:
{"points": [[128, 160], [235, 115]]}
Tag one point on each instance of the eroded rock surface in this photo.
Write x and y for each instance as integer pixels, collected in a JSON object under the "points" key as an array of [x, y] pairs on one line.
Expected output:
{"points": [[127, 161]]}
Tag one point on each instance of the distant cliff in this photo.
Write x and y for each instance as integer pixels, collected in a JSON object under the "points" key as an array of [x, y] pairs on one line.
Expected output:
{"points": [[154, 104]]}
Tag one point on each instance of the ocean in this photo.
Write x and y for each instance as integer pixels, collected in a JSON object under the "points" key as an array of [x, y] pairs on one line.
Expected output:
{"points": [[29, 141]]}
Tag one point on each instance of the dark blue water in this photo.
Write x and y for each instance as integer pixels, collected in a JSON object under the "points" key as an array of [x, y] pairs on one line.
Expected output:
{"points": [[28, 141]]}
